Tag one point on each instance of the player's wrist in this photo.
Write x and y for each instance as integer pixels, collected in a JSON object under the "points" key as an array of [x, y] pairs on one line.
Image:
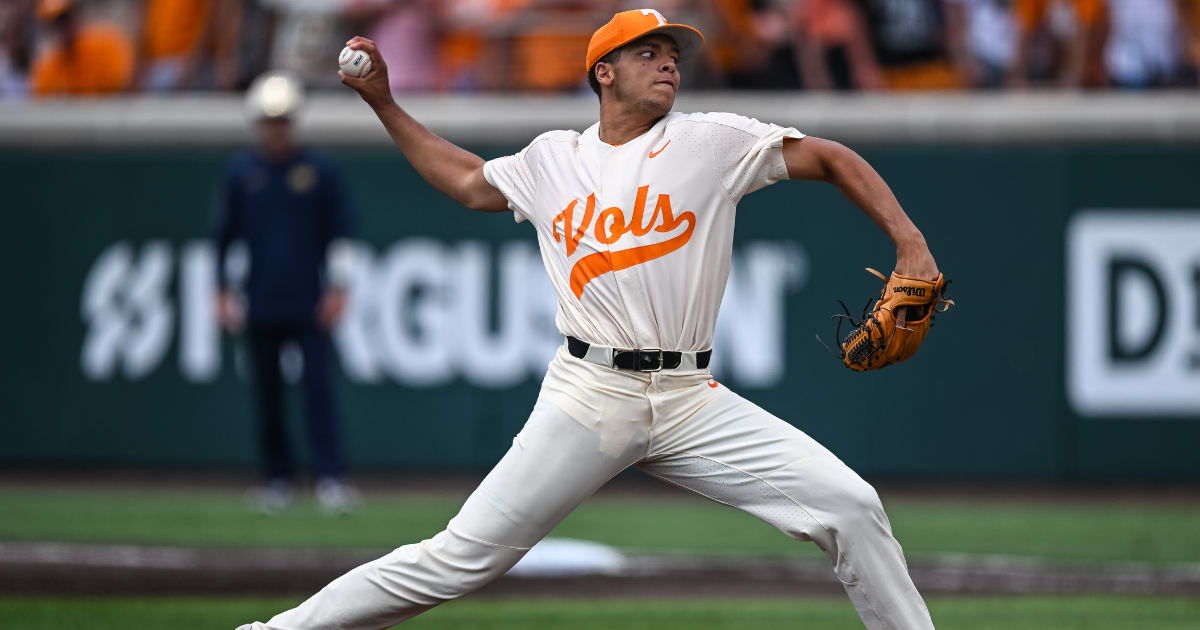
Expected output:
{"points": [[911, 242], [381, 103]]}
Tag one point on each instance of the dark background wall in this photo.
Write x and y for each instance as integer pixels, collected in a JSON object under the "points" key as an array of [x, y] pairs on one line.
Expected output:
{"points": [[984, 398]]}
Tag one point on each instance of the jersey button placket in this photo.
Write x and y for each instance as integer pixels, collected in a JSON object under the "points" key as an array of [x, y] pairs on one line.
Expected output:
{"points": [[612, 178]]}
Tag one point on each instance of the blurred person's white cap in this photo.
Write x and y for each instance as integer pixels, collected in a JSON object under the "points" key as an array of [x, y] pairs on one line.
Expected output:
{"points": [[275, 94]]}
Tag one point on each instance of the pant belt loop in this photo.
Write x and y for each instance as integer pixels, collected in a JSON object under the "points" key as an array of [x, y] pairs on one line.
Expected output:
{"points": [[687, 361]]}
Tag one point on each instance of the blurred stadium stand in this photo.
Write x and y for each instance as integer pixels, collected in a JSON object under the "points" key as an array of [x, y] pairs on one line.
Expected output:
{"points": [[535, 45]]}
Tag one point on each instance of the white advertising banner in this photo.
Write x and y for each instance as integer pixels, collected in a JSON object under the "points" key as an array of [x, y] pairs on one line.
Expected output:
{"points": [[1133, 313], [422, 313]]}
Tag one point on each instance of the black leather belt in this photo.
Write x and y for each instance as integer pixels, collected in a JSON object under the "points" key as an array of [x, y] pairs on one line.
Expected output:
{"points": [[642, 359]]}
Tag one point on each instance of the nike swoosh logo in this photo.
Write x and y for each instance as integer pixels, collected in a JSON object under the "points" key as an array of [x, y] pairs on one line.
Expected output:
{"points": [[712, 383], [654, 153]]}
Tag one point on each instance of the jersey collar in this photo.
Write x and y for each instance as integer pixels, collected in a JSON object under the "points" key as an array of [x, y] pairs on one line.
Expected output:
{"points": [[591, 145], [590, 140]]}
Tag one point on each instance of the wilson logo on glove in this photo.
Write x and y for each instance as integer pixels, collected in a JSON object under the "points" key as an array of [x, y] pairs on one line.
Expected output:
{"points": [[894, 328]]}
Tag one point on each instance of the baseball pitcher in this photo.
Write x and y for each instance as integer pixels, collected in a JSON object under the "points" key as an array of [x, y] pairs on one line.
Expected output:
{"points": [[635, 220]]}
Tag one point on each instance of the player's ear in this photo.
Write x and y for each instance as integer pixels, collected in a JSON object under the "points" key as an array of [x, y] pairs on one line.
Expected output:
{"points": [[605, 73]]}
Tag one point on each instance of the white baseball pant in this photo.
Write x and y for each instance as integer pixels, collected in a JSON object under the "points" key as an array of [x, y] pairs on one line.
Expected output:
{"points": [[590, 423]]}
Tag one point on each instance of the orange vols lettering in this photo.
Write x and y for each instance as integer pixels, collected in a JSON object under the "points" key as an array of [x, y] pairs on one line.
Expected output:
{"points": [[669, 221], [600, 263], [639, 207], [583, 225], [654, 153], [566, 217], [618, 227]]}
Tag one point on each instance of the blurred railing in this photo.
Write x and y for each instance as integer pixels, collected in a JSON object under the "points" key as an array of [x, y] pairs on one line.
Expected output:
{"points": [[212, 120]]}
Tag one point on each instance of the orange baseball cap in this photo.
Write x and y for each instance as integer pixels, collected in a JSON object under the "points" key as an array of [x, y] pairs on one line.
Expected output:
{"points": [[627, 26]]}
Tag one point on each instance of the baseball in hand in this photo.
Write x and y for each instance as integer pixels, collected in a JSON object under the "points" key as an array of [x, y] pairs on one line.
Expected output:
{"points": [[355, 63]]}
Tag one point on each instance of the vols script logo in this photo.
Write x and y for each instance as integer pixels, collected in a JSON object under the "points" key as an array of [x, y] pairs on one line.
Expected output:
{"points": [[910, 291], [610, 226]]}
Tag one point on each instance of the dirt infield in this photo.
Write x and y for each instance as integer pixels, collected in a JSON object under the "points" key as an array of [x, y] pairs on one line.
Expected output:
{"points": [[56, 568]]}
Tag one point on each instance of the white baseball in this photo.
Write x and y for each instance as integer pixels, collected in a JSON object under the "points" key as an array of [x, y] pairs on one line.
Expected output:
{"points": [[355, 63]]}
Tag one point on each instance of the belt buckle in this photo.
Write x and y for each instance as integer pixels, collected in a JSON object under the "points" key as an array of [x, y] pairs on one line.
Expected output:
{"points": [[651, 351]]}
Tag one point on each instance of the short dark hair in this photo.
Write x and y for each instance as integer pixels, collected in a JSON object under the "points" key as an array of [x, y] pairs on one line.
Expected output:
{"points": [[611, 57]]}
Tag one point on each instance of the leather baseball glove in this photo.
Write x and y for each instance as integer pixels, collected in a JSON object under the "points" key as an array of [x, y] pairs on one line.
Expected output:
{"points": [[894, 328]]}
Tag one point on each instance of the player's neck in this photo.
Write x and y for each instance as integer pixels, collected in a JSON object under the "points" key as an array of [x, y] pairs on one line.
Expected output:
{"points": [[621, 122]]}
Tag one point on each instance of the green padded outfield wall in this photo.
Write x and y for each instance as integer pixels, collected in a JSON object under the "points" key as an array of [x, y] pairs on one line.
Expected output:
{"points": [[1074, 351]]}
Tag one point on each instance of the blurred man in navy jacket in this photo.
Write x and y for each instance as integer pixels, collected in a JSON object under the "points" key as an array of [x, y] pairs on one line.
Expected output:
{"points": [[287, 205]]}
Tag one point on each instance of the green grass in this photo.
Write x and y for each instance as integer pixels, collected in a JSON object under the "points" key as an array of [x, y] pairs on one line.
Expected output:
{"points": [[1076, 533], [986, 613], [209, 519]]}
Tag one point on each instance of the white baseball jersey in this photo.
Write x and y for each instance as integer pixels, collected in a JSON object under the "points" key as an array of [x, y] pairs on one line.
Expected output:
{"points": [[637, 238]]}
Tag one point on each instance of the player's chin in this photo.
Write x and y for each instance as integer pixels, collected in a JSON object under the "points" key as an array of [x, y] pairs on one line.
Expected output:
{"points": [[660, 97]]}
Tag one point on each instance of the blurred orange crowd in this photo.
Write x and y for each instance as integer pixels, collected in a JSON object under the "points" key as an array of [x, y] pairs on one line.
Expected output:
{"points": [[59, 47]]}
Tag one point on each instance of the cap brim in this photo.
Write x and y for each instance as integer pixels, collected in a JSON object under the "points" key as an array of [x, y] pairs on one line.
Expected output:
{"points": [[688, 40]]}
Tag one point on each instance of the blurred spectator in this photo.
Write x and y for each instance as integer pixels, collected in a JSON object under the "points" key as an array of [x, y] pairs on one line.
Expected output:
{"points": [[1144, 46], [1191, 29], [779, 68], [732, 44], [909, 37], [1059, 42], [17, 26], [84, 58], [287, 205], [307, 38], [461, 52], [219, 65], [752, 45], [548, 38], [256, 29], [835, 50], [982, 38], [406, 33], [171, 33]]}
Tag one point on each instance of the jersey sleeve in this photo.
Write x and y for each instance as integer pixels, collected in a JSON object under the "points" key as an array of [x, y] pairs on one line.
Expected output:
{"points": [[748, 153], [514, 178]]}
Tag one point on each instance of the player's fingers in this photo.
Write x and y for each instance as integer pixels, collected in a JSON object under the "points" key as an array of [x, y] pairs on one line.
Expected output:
{"points": [[367, 46], [358, 38], [361, 43], [377, 62], [358, 82]]}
